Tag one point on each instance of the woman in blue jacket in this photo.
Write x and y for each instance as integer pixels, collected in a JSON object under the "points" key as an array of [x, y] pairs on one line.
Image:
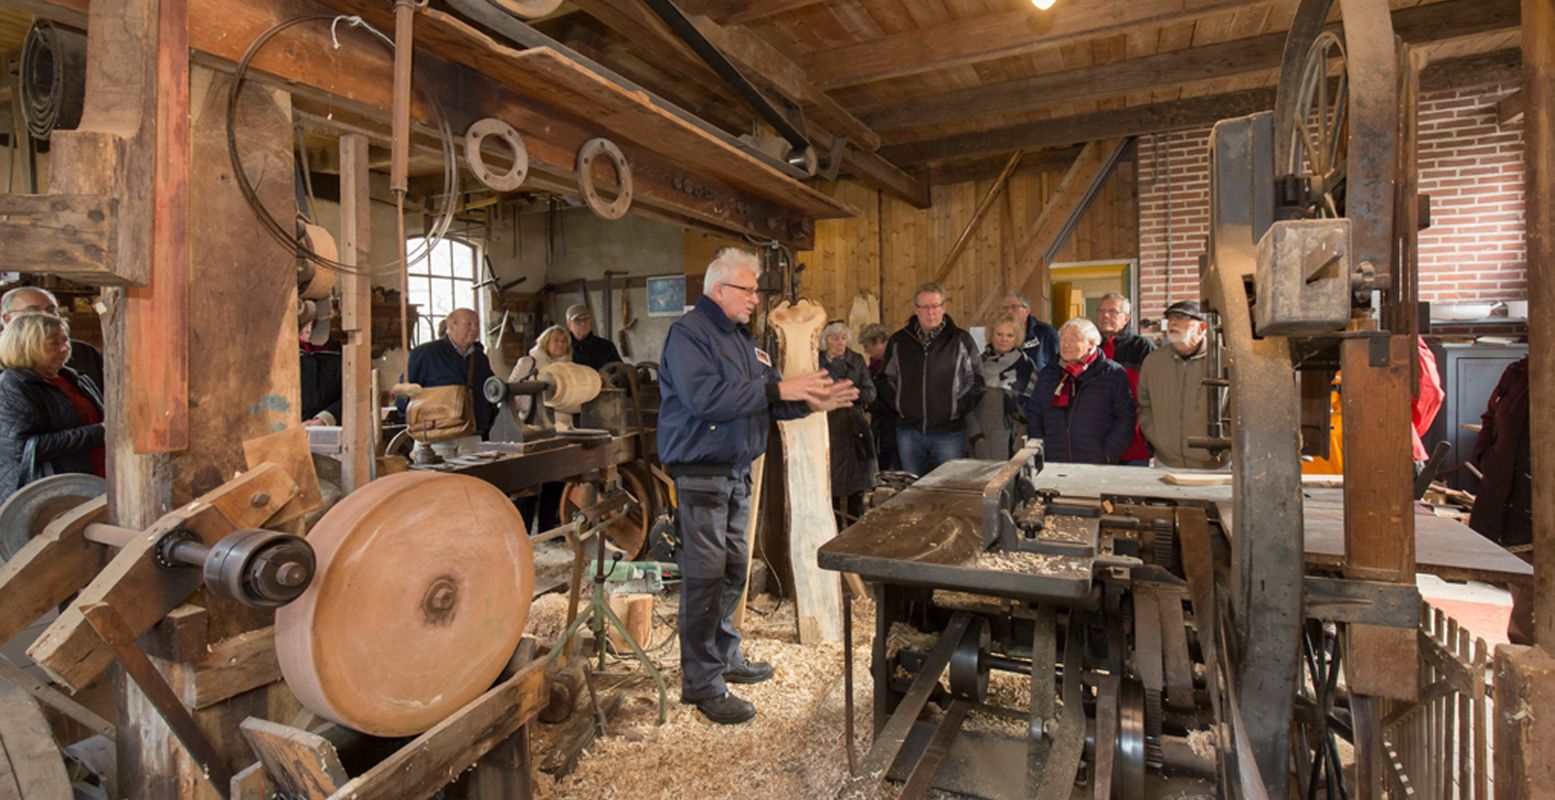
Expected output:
{"points": [[1081, 409]]}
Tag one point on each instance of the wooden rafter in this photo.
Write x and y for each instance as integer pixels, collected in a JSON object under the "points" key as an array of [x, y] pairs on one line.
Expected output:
{"points": [[765, 65], [742, 12], [1450, 73], [968, 40], [1424, 24]]}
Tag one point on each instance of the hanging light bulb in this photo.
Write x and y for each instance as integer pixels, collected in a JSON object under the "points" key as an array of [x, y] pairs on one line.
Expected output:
{"points": [[1043, 4]]}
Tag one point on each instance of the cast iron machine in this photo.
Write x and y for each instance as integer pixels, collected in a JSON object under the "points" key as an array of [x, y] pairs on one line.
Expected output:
{"points": [[1309, 266]]}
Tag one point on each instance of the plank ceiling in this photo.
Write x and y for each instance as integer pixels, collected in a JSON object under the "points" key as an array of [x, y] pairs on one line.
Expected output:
{"points": [[927, 76]]}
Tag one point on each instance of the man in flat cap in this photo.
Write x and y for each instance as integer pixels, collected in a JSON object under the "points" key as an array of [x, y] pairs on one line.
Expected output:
{"points": [[590, 350], [1173, 404]]}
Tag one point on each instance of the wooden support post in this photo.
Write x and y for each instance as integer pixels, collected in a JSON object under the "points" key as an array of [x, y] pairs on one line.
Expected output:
{"points": [[1525, 676], [360, 406], [1539, 130], [1379, 520]]}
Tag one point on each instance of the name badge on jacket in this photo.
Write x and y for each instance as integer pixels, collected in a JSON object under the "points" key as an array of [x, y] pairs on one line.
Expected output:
{"points": [[761, 355]]}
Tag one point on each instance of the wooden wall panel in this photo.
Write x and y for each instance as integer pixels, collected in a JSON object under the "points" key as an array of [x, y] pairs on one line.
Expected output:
{"points": [[898, 247], [846, 258]]}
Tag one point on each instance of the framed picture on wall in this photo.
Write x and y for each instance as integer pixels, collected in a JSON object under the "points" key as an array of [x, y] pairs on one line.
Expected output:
{"points": [[666, 295]]}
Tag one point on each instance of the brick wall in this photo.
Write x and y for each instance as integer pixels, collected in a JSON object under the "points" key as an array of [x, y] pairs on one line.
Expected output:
{"points": [[1471, 168]]}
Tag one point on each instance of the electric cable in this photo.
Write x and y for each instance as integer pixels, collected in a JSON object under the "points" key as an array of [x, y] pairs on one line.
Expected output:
{"points": [[272, 226]]}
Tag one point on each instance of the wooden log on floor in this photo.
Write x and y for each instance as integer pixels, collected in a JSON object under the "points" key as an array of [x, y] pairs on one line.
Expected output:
{"points": [[807, 471]]}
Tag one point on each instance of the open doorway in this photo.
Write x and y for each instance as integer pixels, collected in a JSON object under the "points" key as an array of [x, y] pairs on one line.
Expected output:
{"points": [[1076, 287]]}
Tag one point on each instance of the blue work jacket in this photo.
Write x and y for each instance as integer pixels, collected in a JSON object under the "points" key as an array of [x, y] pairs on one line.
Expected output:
{"points": [[718, 393]]}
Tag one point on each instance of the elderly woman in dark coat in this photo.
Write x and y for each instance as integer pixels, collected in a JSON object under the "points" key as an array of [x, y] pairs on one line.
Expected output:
{"points": [[1082, 408], [852, 446], [51, 417]]}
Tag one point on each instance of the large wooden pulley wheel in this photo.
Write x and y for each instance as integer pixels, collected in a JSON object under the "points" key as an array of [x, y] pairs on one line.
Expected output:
{"points": [[422, 590]]}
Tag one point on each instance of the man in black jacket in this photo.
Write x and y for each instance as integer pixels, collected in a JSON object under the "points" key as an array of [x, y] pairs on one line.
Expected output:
{"points": [[931, 376], [588, 349]]}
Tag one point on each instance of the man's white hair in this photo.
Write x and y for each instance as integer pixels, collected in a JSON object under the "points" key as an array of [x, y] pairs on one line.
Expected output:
{"points": [[1128, 308], [5, 299], [1086, 329], [727, 263]]}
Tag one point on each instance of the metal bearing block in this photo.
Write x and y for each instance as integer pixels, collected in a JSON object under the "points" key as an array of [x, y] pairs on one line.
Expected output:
{"points": [[1303, 279]]}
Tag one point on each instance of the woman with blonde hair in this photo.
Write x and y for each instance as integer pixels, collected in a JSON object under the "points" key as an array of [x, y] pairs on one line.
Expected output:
{"points": [[1008, 375], [553, 346], [51, 417]]}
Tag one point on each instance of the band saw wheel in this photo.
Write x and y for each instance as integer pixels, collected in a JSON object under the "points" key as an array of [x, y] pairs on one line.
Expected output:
{"points": [[423, 586]]}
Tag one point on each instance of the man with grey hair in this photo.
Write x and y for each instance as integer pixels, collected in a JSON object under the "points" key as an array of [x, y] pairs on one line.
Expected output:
{"points": [[718, 394], [84, 358], [933, 383], [1129, 349], [1041, 340]]}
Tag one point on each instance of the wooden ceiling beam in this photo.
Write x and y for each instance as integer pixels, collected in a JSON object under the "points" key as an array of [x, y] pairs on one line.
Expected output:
{"points": [[743, 12], [972, 39], [1502, 65], [985, 167], [1418, 25], [881, 174], [755, 54]]}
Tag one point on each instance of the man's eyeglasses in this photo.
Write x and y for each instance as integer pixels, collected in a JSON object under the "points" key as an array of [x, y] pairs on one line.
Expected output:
{"points": [[928, 306], [748, 290]]}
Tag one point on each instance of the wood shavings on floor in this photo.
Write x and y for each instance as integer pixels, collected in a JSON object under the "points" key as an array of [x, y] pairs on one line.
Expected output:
{"points": [[793, 748]]}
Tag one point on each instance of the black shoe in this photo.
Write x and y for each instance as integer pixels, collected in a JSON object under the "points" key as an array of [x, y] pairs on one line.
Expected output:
{"points": [[726, 709], [752, 672]]}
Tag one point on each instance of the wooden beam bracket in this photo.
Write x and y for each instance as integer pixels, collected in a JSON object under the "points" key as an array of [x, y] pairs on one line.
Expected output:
{"points": [[67, 234]]}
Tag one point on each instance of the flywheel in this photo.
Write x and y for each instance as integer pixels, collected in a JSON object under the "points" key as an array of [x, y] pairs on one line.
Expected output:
{"points": [[422, 589]]}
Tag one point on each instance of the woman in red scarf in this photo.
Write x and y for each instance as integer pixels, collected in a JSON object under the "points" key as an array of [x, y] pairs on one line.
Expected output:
{"points": [[1081, 408]]}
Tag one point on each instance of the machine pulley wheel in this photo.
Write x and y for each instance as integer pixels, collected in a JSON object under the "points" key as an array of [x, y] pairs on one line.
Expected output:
{"points": [[1130, 777], [629, 534], [968, 663], [260, 568], [423, 587], [31, 508]]}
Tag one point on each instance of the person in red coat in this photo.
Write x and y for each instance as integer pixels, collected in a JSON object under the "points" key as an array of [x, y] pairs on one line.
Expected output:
{"points": [[1129, 349]]}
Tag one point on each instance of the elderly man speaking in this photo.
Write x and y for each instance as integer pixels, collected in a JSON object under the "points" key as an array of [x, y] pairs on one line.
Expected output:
{"points": [[718, 394]]}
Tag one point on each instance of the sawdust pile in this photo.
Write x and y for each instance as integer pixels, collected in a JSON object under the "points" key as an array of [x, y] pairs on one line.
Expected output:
{"points": [[1202, 743], [1029, 563], [1065, 528], [547, 616], [793, 748]]}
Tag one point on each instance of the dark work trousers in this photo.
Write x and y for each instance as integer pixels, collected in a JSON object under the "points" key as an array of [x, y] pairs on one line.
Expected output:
{"points": [[714, 555]]}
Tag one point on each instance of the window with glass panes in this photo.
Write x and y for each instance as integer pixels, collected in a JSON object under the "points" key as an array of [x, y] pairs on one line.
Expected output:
{"points": [[440, 283]]}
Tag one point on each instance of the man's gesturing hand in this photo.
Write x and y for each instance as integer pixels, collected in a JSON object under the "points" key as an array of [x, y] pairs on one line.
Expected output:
{"points": [[841, 394], [806, 388]]}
